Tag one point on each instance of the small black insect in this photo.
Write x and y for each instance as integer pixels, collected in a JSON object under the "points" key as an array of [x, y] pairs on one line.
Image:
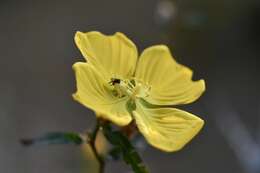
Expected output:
{"points": [[114, 81]]}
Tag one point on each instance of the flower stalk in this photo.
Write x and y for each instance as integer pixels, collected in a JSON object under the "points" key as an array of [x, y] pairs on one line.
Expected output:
{"points": [[92, 141]]}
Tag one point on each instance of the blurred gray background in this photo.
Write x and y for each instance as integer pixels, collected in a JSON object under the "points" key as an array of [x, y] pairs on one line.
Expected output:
{"points": [[219, 40]]}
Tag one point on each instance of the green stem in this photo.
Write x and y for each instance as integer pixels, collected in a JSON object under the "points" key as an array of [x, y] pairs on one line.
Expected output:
{"points": [[93, 146]]}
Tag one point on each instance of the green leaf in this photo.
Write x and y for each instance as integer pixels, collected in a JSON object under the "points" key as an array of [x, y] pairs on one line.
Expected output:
{"points": [[121, 142], [115, 153], [55, 138]]}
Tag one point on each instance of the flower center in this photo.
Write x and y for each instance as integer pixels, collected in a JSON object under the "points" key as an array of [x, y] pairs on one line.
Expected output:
{"points": [[130, 87]]}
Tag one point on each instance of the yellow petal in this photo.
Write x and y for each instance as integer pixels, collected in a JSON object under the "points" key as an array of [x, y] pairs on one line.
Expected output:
{"points": [[168, 129], [113, 56], [171, 83], [93, 93]]}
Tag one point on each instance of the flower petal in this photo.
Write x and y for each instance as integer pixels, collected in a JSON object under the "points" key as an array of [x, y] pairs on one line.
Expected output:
{"points": [[171, 83], [93, 93], [113, 56], [168, 129]]}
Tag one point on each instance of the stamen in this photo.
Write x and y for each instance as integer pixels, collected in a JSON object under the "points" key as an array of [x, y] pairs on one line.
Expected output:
{"points": [[132, 88]]}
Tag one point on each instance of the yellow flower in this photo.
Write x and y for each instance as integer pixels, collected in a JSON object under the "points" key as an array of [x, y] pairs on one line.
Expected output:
{"points": [[120, 87]]}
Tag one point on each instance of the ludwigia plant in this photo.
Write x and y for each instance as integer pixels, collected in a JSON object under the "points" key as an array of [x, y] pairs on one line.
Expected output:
{"points": [[132, 92]]}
